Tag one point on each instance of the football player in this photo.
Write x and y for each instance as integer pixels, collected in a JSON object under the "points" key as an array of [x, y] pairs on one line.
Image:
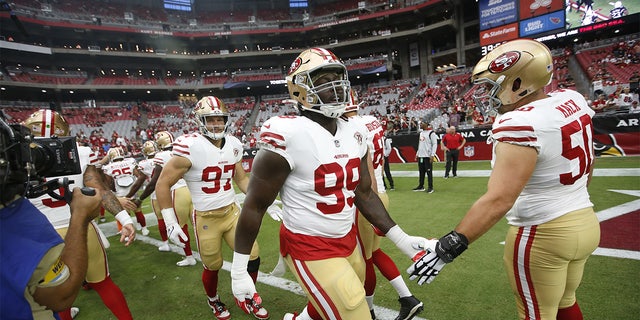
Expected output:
{"points": [[369, 241], [179, 193], [47, 123], [208, 161], [125, 179], [319, 164], [542, 164]]}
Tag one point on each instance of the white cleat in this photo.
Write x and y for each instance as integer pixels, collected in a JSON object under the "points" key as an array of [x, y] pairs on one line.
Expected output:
{"points": [[145, 231], [164, 247], [187, 261]]}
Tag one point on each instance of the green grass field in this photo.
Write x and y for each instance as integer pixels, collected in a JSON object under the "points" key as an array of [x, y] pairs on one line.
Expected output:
{"points": [[473, 287]]}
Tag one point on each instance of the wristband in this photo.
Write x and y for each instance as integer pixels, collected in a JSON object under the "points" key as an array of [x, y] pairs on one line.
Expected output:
{"points": [[169, 216], [451, 245], [124, 218], [395, 234], [239, 263]]}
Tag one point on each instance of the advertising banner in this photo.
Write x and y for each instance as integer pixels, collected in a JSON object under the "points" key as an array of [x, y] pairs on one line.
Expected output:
{"points": [[494, 13], [544, 23]]}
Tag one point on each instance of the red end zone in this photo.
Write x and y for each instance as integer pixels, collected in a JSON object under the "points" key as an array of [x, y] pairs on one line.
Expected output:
{"points": [[621, 232]]}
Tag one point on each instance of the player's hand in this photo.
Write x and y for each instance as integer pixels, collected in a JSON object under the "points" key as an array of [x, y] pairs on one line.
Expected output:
{"points": [[127, 204], [174, 231], [137, 202], [409, 245], [437, 254], [275, 212], [242, 286], [86, 205], [427, 264], [127, 234]]}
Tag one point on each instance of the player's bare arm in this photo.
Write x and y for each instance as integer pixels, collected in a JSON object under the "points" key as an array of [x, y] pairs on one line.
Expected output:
{"points": [[140, 178], [367, 200], [268, 175], [95, 178], [74, 254], [240, 177], [173, 170], [151, 186], [513, 167]]}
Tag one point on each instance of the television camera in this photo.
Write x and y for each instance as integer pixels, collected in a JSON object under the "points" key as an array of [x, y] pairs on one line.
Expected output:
{"points": [[29, 167]]}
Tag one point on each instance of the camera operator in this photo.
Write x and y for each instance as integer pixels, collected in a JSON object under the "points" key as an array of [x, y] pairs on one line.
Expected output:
{"points": [[46, 124], [39, 274]]}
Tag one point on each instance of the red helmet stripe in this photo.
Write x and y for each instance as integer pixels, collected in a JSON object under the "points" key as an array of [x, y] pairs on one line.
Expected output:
{"points": [[214, 101]]}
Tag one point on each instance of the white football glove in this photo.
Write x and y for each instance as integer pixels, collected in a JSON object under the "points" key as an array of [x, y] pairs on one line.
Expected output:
{"points": [[437, 254], [427, 264], [409, 245], [275, 212], [242, 286], [174, 231]]}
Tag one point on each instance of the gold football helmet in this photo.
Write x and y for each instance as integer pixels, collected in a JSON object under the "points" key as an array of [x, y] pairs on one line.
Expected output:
{"points": [[47, 123], [164, 139], [308, 67], [511, 72], [211, 106], [149, 148], [115, 154]]}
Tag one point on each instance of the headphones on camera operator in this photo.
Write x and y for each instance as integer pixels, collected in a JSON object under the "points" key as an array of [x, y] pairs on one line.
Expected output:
{"points": [[26, 164]]}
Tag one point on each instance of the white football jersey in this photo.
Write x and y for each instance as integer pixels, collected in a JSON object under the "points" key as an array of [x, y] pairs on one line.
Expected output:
{"points": [[212, 169], [560, 129], [122, 174], [375, 142], [147, 166], [57, 211], [318, 195], [161, 158]]}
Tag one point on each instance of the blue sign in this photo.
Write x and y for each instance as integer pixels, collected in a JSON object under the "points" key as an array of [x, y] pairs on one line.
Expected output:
{"points": [[543, 23], [494, 13]]}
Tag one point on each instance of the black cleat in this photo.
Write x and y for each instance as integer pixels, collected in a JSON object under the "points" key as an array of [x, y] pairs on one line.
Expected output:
{"points": [[409, 307]]}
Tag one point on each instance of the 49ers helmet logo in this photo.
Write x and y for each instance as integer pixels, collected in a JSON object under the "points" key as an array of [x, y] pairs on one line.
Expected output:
{"points": [[295, 65], [503, 62]]}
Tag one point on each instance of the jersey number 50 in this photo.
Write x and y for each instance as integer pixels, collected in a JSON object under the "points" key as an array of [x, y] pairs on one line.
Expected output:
{"points": [[583, 151]]}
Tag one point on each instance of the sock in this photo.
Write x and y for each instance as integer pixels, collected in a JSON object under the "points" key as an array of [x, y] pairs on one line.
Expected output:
{"points": [[162, 228], [571, 313], [141, 219], [65, 314], [254, 276], [304, 315], [312, 312], [101, 212], [112, 298], [210, 282], [369, 300], [386, 266], [401, 287], [187, 243], [369, 278]]}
